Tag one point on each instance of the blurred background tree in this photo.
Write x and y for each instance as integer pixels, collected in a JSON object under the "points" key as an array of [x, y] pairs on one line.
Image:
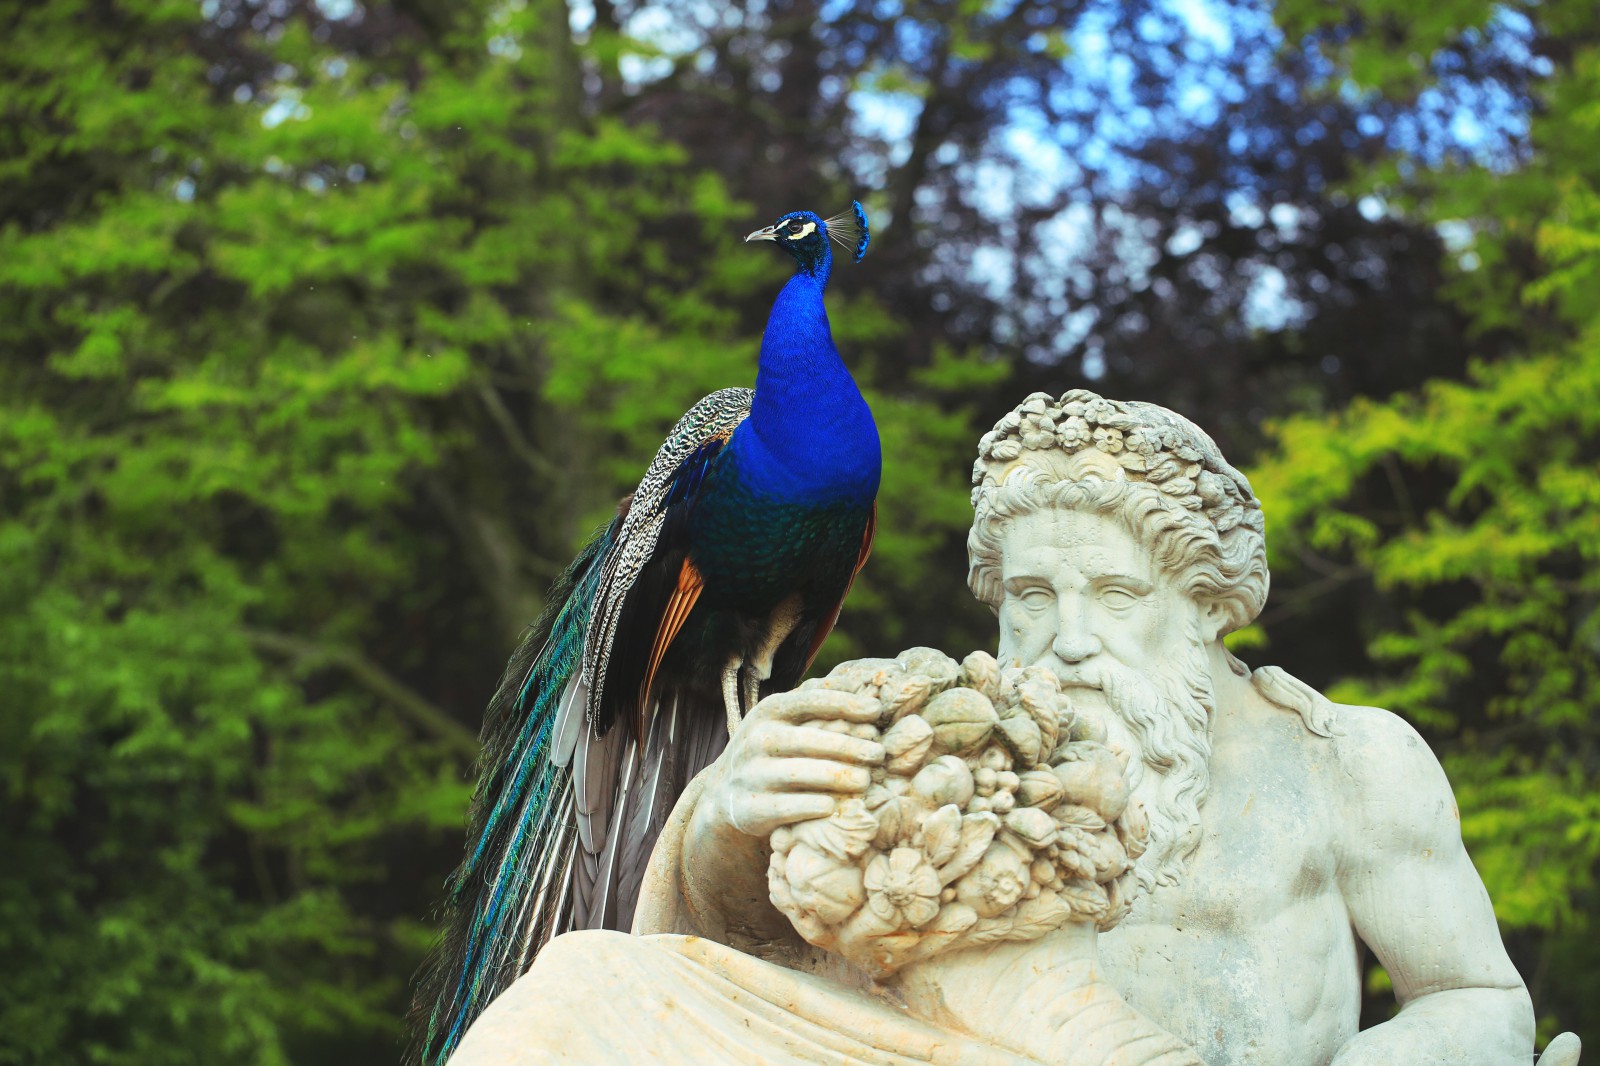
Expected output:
{"points": [[1458, 526], [328, 328]]}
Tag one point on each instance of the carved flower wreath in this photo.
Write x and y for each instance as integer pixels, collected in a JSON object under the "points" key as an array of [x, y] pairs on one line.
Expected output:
{"points": [[999, 814], [1135, 438]]}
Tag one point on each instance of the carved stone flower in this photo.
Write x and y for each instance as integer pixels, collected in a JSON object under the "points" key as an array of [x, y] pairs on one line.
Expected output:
{"points": [[1006, 450], [1142, 443], [1073, 433], [1100, 409], [821, 884], [844, 835], [1038, 432], [1108, 440], [902, 887], [996, 883]]}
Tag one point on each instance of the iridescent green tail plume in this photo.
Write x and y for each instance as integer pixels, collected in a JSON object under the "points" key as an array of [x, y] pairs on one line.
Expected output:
{"points": [[509, 887]]}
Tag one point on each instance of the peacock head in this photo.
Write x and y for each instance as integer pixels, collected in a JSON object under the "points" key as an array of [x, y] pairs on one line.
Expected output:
{"points": [[805, 236]]}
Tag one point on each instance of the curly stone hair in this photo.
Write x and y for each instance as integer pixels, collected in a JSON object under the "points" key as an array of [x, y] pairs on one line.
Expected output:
{"points": [[1154, 470]]}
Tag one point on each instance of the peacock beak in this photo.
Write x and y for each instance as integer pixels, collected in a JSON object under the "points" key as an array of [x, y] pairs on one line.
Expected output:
{"points": [[769, 233]]}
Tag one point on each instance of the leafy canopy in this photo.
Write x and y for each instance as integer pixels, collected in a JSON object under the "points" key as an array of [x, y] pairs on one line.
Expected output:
{"points": [[1473, 506]]}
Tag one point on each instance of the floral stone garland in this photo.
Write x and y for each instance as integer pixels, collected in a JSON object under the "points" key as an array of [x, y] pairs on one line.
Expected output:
{"points": [[999, 814]]}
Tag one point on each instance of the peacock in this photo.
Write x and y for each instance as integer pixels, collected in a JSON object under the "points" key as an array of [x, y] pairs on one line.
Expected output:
{"points": [[717, 580]]}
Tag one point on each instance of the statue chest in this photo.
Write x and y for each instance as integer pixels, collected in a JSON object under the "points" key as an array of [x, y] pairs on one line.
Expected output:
{"points": [[1251, 957]]}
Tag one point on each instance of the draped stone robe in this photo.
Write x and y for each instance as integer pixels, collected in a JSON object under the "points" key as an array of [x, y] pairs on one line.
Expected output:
{"points": [[669, 994]]}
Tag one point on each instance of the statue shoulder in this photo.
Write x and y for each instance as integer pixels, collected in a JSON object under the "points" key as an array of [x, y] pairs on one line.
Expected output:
{"points": [[1390, 785], [1369, 741], [1378, 748], [1383, 777]]}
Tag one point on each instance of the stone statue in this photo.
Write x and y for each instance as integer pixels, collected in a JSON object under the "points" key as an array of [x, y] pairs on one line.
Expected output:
{"points": [[1113, 844]]}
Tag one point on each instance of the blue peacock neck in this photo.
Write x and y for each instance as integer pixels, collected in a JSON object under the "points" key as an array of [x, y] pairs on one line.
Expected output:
{"points": [[810, 435]]}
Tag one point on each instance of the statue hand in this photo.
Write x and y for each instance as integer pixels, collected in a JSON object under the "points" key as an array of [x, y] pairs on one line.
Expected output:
{"points": [[1562, 1051], [782, 766]]}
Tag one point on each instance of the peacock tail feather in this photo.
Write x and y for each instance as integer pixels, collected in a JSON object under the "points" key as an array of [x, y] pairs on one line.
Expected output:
{"points": [[566, 805], [494, 907]]}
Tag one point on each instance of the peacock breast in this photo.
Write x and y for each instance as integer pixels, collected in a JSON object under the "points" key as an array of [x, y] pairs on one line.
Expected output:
{"points": [[755, 544]]}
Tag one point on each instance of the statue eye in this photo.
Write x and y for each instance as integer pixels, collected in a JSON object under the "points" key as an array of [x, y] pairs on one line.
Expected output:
{"points": [[1118, 597], [1035, 598]]}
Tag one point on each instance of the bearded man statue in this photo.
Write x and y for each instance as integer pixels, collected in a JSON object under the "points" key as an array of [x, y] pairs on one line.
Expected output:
{"points": [[1163, 542], [1286, 836]]}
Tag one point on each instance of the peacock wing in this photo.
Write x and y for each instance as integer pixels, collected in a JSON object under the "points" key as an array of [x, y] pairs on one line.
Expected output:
{"points": [[638, 746], [862, 555], [671, 483], [563, 803]]}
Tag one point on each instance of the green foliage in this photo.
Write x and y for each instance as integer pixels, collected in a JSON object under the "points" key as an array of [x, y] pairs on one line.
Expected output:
{"points": [[225, 364], [1474, 506], [1500, 641], [324, 342], [317, 359]]}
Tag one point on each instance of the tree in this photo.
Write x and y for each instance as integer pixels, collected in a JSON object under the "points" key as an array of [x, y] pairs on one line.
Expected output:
{"points": [[328, 331], [259, 291], [1080, 190], [1052, 204], [1458, 525]]}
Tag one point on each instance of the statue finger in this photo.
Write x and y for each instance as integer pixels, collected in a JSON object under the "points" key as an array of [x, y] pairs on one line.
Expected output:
{"points": [[800, 704], [759, 814], [813, 775], [806, 742]]}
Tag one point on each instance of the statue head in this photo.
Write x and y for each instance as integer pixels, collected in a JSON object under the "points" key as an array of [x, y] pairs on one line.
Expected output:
{"points": [[1151, 469], [1116, 546]]}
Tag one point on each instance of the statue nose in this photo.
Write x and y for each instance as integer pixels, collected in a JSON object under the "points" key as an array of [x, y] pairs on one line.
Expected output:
{"points": [[1075, 638], [1076, 648]]}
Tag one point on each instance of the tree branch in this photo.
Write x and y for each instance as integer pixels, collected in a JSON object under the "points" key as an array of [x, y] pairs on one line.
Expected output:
{"points": [[376, 680], [508, 429], [1293, 601], [490, 554]]}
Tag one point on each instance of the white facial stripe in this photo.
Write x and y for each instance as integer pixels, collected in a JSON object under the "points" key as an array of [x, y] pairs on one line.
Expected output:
{"points": [[805, 231]]}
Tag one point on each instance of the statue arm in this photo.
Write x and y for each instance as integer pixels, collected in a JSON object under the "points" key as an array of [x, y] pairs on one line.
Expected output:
{"points": [[1416, 901], [779, 767], [724, 877]]}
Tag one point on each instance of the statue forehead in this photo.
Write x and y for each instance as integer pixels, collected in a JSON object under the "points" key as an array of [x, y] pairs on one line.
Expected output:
{"points": [[1041, 543]]}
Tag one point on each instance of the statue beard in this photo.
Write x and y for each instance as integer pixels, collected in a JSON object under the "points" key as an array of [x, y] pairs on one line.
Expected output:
{"points": [[1169, 715]]}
